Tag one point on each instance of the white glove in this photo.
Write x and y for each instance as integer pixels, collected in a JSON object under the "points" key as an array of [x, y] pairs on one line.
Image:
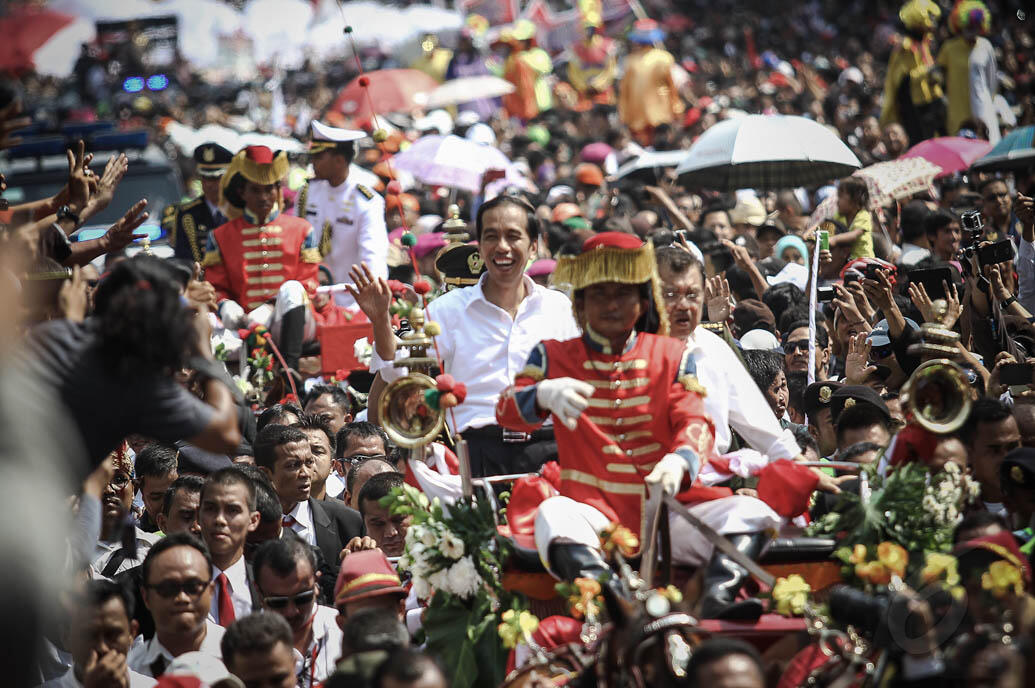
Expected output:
{"points": [[669, 472], [565, 397], [231, 313]]}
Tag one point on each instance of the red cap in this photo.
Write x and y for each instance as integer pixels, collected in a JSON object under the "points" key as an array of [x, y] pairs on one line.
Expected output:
{"points": [[628, 242], [565, 210], [1004, 545], [366, 574], [259, 154], [589, 174]]}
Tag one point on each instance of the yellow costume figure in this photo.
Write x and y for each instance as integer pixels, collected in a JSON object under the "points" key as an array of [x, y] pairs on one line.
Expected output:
{"points": [[593, 67], [434, 60], [911, 96], [526, 67], [647, 95], [968, 60]]}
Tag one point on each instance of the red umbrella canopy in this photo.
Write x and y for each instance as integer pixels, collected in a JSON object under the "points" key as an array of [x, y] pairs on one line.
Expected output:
{"points": [[25, 30], [951, 153], [390, 90]]}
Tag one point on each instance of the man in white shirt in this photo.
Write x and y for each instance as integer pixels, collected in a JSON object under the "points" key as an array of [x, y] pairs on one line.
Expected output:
{"points": [[349, 216], [177, 588], [487, 333], [732, 399], [226, 515], [285, 571], [100, 633], [109, 556]]}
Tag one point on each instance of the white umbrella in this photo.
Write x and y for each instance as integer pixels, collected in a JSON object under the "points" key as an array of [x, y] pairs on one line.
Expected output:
{"points": [[450, 161], [766, 152], [468, 88], [651, 160]]}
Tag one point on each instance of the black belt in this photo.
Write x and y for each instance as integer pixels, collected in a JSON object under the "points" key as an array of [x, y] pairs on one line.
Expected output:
{"points": [[495, 432]]}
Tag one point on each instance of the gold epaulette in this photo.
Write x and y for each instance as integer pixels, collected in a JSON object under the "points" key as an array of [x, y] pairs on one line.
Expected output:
{"points": [[325, 238], [191, 230], [311, 255], [692, 384], [303, 196], [365, 191], [211, 258]]}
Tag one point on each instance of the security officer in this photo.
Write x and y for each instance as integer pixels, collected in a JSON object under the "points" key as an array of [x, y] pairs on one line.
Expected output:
{"points": [[1017, 480], [187, 224], [349, 217]]}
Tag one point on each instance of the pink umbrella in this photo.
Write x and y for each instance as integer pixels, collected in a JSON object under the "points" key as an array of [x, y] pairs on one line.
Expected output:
{"points": [[25, 31], [951, 153]]}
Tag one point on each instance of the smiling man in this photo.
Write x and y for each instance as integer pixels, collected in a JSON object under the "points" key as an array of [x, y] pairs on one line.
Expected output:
{"points": [[227, 515], [488, 330]]}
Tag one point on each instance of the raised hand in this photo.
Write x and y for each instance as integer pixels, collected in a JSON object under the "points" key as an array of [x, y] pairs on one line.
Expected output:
{"points": [[73, 298], [200, 292], [717, 298], [78, 177], [857, 362], [120, 235], [103, 187], [372, 294]]}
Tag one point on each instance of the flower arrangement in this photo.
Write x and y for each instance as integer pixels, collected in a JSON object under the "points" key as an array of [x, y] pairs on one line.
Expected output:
{"points": [[873, 565], [455, 559], [791, 595]]}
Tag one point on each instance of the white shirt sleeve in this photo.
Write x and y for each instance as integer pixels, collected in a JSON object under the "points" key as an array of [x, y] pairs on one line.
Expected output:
{"points": [[372, 236], [1026, 275], [751, 417]]}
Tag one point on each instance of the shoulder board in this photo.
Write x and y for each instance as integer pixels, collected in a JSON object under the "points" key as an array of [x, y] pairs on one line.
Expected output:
{"points": [[365, 191], [190, 204]]}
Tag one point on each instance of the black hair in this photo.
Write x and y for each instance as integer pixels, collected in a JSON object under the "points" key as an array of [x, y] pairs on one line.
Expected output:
{"points": [[911, 220], [978, 519], [405, 665], [350, 477], [282, 555], [714, 649], [338, 395], [310, 421], [805, 439], [983, 410], [938, 219], [531, 221], [797, 381], [358, 429], [856, 189], [234, 189], [739, 280], [822, 336], [142, 323], [677, 260], [794, 313], [858, 417], [167, 543], [188, 483], [854, 451], [763, 366], [232, 475], [715, 208], [275, 413], [258, 632], [984, 184], [379, 486], [266, 501], [373, 629], [156, 460], [780, 297], [97, 592], [346, 149], [271, 437]]}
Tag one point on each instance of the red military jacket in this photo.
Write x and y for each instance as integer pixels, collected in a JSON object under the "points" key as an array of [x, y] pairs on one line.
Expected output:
{"points": [[647, 403], [247, 262]]}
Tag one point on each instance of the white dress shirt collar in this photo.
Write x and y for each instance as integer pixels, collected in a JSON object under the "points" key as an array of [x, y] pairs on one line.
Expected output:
{"points": [[303, 524], [144, 652]]}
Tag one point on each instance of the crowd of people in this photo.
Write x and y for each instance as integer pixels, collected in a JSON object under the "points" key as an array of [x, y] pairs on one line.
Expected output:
{"points": [[191, 493]]}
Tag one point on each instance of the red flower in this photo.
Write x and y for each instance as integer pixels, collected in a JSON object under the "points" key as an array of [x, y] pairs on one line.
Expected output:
{"points": [[341, 374], [289, 398]]}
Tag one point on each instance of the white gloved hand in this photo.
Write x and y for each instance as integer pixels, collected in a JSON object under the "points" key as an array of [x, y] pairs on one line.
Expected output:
{"points": [[565, 397], [669, 472], [231, 313]]}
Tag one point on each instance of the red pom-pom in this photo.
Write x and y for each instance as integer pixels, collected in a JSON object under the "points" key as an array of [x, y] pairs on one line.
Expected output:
{"points": [[460, 392], [340, 374], [445, 382], [422, 287], [243, 333], [364, 81], [393, 187]]}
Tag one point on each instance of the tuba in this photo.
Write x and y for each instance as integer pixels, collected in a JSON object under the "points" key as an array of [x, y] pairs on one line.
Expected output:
{"points": [[938, 396]]}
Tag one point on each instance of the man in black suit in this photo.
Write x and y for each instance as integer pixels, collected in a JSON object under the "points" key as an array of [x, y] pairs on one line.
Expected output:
{"points": [[189, 223], [284, 454]]}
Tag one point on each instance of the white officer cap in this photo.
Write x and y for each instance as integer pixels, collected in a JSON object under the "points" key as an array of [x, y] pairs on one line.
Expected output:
{"points": [[325, 137]]}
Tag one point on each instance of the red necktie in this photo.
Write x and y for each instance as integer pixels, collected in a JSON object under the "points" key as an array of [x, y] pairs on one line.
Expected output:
{"points": [[288, 521], [226, 605]]}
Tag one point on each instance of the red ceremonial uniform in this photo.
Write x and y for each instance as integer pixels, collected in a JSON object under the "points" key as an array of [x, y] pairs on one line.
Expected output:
{"points": [[646, 403], [247, 262]]}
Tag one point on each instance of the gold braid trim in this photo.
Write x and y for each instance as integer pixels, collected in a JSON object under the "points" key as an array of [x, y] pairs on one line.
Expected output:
{"points": [[211, 258], [191, 230], [303, 196], [692, 384], [531, 371], [325, 238], [311, 255]]}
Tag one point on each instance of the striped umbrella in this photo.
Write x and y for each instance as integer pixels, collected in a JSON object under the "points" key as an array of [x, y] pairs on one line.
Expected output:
{"points": [[766, 152], [1014, 151]]}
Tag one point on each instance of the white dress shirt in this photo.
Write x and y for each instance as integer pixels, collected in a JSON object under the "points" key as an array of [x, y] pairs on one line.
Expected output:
{"points": [[357, 226], [303, 525], [913, 254], [104, 551], [733, 399], [326, 647], [68, 680], [144, 652], [484, 348], [240, 593]]}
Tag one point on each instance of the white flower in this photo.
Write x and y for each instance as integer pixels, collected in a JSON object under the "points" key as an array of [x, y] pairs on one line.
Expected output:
{"points": [[429, 538], [930, 504], [951, 468], [421, 588], [439, 580], [451, 546], [463, 578]]}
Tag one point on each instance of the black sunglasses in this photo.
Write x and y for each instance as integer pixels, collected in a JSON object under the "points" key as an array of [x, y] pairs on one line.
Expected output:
{"points": [[170, 589], [302, 599], [797, 345], [357, 458]]}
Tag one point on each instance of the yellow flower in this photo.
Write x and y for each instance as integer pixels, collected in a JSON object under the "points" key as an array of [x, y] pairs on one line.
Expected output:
{"points": [[858, 555], [619, 537], [587, 587], [260, 341], [674, 594], [528, 623], [893, 557], [791, 594], [936, 565], [508, 634], [873, 572], [1001, 577]]}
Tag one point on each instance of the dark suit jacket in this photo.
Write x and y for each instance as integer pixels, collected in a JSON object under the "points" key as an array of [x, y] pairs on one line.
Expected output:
{"points": [[188, 225], [335, 524]]}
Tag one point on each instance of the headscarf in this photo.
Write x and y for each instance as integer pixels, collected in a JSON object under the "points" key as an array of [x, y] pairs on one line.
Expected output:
{"points": [[791, 240]]}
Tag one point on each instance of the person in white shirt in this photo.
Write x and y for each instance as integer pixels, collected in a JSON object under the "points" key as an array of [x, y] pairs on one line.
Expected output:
{"points": [[100, 633], [109, 556], [733, 399], [177, 588], [285, 571], [227, 514], [349, 216], [487, 333]]}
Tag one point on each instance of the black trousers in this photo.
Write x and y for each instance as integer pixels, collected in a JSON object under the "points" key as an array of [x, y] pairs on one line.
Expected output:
{"points": [[490, 455]]}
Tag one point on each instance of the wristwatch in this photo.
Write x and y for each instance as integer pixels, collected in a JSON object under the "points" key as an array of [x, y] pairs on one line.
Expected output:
{"points": [[1008, 302], [65, 213]]}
